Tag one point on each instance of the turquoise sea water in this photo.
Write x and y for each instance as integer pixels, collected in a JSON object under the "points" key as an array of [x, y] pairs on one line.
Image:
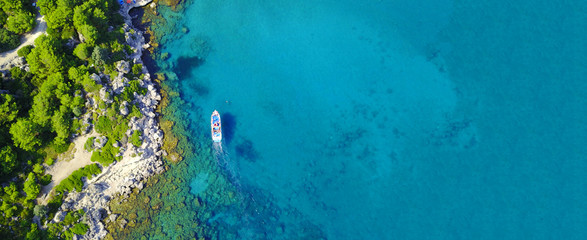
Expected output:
{"points": [[389, 119]]}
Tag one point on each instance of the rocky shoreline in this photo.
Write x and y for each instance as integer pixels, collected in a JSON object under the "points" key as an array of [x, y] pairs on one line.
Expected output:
{"points": [[138, 163]]}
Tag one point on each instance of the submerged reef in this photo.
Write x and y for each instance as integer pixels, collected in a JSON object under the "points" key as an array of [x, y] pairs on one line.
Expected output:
{"points": [[197, 197]]}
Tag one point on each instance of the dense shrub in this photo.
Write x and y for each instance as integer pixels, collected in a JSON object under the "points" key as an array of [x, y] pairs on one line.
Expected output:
{"points": [[103, 125], [83, 51], [135, 139], [80, 75], [89, 145], [24, 134], [137, 69], [100, 56], [106, 155], [8, 161], [133, 86], [21, 22], [74, 181], [38, 169], [8, 40], [50, 161], [40, 210], [46, 179], [80, 228], [31, 187], [24, 51]]}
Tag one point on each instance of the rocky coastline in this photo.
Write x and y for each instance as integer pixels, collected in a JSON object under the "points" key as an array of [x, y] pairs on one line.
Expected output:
{"points": [[138, 163]]}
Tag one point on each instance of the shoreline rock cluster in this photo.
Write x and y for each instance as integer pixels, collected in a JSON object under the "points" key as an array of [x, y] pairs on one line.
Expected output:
{"points": [[138, 163]]}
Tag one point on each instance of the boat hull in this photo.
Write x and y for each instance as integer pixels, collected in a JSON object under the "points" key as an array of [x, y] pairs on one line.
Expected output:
{"points": [[216, 127]]}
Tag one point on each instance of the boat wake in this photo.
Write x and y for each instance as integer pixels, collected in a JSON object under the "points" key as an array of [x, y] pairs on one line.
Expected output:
{"points": [[223, 160]]}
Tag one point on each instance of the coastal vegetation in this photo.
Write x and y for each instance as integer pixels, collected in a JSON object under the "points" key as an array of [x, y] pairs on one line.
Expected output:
{"points": [[75, 180], [16, 18], [41, 109]]}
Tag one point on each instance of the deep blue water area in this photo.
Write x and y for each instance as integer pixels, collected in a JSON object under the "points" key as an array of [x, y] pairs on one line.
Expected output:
{"points": [[390, 119]]}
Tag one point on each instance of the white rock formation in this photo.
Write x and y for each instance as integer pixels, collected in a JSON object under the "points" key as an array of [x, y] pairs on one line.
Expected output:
{"points": [[121, 177]]}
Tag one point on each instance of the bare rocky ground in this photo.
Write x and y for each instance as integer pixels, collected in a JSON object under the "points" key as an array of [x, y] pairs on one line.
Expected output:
{"points": [[137, 164]]}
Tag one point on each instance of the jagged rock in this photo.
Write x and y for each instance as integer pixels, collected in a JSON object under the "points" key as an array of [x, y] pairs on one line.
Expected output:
{"points": [[67, 205], [100, 142], [123, 178], [123, 66], [96, 78], [113, 217], [123, 108], [59, 216], [119, 83], [105, 95], [123, 223]]}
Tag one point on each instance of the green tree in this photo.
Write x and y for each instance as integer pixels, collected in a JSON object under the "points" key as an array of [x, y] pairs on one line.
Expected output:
{"points": [[47, 57], [21, 22], [83, 51], [38, 169], [11, 6], [8, 40], [24, 134], [8, 108], [44, 103], [135, 138], [81, 76], [12, 191], [40, 210], [90, 34], [100, 56], [60, 16], [60, 123], [8, 209], [46, 6], [3, 17], [53, 92], [31, 187], [7, 159], [34, 233], [24, 51]]}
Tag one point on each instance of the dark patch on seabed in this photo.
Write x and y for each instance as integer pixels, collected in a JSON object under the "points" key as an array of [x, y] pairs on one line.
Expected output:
{"points": [[185, 65], [228, 127], [246, 150], [184, 68]]}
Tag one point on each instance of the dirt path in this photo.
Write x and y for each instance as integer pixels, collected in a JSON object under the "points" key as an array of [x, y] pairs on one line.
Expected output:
{"points": [[63, 168], [27, 39]]}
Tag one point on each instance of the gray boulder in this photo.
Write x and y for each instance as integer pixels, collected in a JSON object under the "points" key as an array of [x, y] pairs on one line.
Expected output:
{"points": [[123, 66]]}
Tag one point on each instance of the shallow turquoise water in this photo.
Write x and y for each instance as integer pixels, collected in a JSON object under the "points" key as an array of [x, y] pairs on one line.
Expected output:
{"points": [[385, 119]]}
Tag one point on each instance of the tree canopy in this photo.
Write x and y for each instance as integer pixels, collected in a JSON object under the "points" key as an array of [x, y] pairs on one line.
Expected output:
{"points": [[8, 40], [16, 17], [31, 187], [47, 57], [8, 160], [24, 134], [8, 108], [21, 22]]}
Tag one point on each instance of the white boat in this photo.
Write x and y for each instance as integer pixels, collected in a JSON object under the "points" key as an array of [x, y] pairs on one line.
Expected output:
{"points": [[216, 127]]}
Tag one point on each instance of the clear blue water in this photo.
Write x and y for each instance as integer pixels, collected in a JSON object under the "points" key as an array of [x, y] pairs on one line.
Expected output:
{"points": [[392, 120]]}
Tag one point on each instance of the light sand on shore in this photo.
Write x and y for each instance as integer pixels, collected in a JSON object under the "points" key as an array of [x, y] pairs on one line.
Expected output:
{"points": [[27, 39], [63, 168]]}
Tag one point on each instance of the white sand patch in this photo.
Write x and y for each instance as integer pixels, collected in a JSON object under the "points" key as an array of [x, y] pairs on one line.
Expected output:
{"points": [[63, 168], [28, 39]]}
